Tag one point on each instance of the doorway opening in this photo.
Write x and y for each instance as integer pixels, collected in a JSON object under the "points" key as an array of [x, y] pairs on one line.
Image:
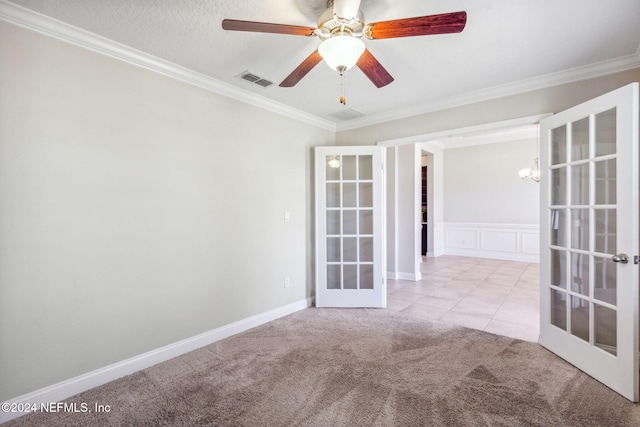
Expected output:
{"points": [[473, 226], [457, 278], [424, 205]]}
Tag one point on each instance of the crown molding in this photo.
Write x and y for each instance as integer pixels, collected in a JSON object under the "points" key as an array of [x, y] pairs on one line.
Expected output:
{"points": [[549, 80], [34, 21], [48, 26]]}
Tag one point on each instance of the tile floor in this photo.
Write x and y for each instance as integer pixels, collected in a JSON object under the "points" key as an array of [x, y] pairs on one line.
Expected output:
{"points": [[496, 296]]}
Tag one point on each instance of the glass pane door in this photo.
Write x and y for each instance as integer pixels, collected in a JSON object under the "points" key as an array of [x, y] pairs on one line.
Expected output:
{"points": [[589, 208], [349, 227], [583, 236]]}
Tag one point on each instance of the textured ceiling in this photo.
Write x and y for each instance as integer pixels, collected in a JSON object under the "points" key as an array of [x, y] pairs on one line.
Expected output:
{"points": [[505, 43]]}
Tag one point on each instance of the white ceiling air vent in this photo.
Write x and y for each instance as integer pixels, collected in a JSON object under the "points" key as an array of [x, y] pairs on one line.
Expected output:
{"points": [[250, 77], [348, 114]]}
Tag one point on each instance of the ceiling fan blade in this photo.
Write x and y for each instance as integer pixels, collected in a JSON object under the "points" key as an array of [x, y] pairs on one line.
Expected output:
{"points": [[302, 70], [445, 23], [346, 9], [266, 27], [373, 69]]}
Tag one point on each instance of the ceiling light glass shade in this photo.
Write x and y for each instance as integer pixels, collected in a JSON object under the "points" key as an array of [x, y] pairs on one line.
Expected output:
{"points": [[341, 52]]}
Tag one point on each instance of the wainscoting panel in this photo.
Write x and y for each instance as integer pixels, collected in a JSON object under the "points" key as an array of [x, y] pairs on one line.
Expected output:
{"points": [[460, 239], [501, 241], [531, 243], [513, 242]]}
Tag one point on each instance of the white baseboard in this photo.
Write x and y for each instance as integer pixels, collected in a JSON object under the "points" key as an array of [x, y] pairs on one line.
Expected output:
{"points": [[404, 276], [414, 277], [513, 242], [65, 389]]}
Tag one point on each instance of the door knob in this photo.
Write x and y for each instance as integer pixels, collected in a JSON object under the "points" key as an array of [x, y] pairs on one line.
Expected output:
{"points": [[623, 258]]}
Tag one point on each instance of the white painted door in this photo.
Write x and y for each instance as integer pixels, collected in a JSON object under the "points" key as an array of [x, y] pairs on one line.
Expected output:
{"points": [[589, 238], [349, 195]]}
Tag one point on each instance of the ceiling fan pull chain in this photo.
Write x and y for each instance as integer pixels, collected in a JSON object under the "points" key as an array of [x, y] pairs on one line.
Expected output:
{"points": [[343, 98]]}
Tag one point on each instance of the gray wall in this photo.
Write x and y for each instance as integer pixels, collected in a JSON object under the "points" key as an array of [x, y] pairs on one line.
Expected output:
{"points": [[136, 211], [481, 184]]}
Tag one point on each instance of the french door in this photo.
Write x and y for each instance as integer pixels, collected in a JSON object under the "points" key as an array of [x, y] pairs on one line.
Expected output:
{"points": [[589, 238], [349, 196]]}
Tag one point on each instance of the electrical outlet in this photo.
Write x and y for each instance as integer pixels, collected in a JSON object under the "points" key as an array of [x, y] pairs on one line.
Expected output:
{"points": [[287, 216], [287, 282]]}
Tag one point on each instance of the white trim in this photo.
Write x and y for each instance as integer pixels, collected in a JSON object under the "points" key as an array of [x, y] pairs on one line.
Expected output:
{"points": [[59, 30], [438, 240], [65, 389], [521, 133], [48, 26], [441, 138], [412, 277], [513, 242]]}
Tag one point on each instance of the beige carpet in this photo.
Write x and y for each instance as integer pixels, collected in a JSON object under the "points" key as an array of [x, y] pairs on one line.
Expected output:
{"points": [[353, 367]]}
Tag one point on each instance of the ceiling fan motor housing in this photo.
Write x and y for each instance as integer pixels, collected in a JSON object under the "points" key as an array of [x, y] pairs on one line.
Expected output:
{"points": [[329, 25]]}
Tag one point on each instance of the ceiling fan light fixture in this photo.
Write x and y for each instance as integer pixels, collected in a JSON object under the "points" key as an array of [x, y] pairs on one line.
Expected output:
{"points": [[341, 52]]}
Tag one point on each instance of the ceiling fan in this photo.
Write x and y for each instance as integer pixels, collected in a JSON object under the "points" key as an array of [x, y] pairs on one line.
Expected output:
{"points": [[341, 28]]}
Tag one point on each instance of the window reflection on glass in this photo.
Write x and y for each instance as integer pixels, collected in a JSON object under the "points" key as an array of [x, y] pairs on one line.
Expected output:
{"points": [[559, 186], [606, 182], [349, 168], [580, 140], [366, 249], [558, 227], [350, 249], [366, 276], [605, 280], [559, 309], [366, 221], [559, 145], [365, 167], [606, 334], [350, 276], [333, 222], [580, 229], [334, 277], [580, 318], [350, 196], [333, 195], [605, 228], [580, 184], [333, 249], [558, 268], [366, 195], [606, 133], [580, 273], [350, 225]]}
